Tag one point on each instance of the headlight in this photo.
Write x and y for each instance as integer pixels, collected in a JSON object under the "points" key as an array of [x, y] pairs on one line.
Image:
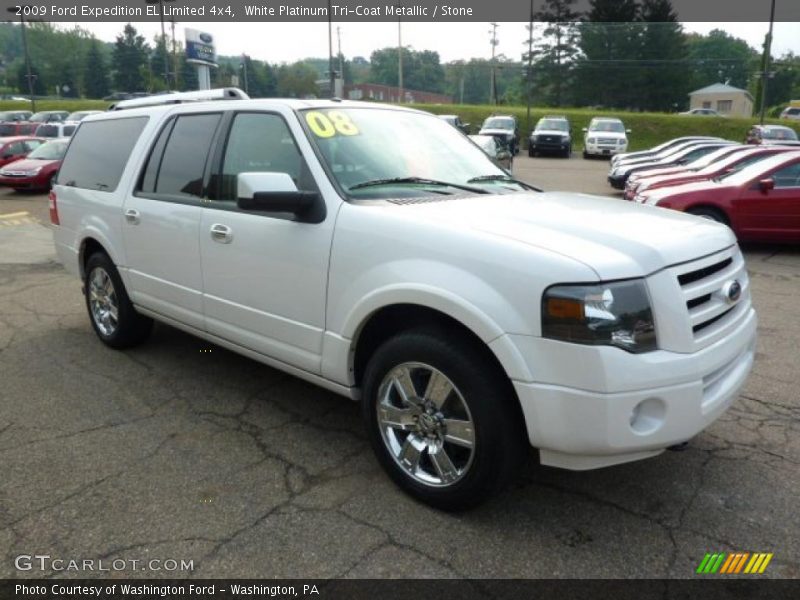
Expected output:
{"points": [[622, 142], [640, 198], [33, 172], [590, 141], [606, 314]]}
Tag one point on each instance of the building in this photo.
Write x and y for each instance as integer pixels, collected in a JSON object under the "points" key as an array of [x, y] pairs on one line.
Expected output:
{"points": [[388, 93], [723, 98]]}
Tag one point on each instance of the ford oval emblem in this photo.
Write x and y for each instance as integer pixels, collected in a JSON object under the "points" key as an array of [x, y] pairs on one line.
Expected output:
{"points": [[732, 291], [206, 37]]}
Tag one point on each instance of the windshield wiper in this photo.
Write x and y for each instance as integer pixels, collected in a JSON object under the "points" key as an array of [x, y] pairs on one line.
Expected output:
{"points": [[419, 180], [505, 179]]}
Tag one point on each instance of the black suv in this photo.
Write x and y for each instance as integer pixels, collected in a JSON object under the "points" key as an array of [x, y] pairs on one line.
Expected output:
{"points": [[551, 134]]}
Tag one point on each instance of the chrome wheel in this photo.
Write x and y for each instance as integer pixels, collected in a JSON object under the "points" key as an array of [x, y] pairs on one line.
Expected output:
{"points": [[103, 301], [425, 424]]}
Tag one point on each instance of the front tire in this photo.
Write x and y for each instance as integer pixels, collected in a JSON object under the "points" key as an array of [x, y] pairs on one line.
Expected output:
{"points": [[442, 419], [709, 213], [113, 317]]}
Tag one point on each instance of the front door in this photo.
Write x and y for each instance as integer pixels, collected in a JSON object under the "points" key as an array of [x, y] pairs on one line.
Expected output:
{"points": [[265, 275], [772, 214]]}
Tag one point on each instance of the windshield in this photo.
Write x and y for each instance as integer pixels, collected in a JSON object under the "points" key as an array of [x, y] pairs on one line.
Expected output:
{"points": [[360, 145], [750, 172], [610, 126], [712, 157], [779, 134], [498, 123], [39, 117], [552, 124], [50, 151]]}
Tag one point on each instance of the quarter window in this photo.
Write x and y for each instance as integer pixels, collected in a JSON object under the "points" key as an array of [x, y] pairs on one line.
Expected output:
{"points": [[99, 152]]}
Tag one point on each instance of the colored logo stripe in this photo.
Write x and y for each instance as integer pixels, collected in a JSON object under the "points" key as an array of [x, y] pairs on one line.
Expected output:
{"points": [[734, 563]]}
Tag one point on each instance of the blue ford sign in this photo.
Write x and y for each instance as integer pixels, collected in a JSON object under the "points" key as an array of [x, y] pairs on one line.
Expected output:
{"points": [[200, 48]]}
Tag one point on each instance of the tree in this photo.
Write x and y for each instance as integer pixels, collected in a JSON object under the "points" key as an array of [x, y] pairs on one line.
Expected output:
{"points": [[421, 70], [95, 75], [719, 57], [297, 80], [609, 40], [130, 60], [159, 57], [555, 53], [664, 85]]}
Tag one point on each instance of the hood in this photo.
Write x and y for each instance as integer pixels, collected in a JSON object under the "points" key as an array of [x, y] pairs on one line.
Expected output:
{"points": [[496, 132], [616, 239], [28, 164], [693, 187]]}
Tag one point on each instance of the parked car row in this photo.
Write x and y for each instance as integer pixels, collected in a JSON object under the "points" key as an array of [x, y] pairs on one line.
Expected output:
{"points": [[47, 123], [754, 189]]}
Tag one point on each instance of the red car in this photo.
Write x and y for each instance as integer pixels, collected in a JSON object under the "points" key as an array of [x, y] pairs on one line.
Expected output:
{"points": [[760, 202], [37, 170], [735, 161], [15, 148]]}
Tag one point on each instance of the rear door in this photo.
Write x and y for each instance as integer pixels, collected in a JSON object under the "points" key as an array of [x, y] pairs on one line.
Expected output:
{"points": [[161, 220]]}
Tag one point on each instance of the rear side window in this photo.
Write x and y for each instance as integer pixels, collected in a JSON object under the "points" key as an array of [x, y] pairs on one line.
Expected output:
{"points": [[177, 168], [47, 131], [99, 152]]}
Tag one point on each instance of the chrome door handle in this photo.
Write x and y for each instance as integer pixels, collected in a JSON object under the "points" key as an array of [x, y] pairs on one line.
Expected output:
{"points": [[132, 216], [221, 233]]}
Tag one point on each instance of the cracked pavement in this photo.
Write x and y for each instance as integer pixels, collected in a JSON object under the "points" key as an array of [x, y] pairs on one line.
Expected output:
{"points": [[172, 451]]}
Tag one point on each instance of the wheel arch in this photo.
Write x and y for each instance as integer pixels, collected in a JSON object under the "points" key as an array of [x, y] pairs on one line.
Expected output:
{"points": [[711, 207]]}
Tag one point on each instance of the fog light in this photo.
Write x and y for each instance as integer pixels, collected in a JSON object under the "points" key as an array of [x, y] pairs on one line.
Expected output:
{"points": [[648, 416]]}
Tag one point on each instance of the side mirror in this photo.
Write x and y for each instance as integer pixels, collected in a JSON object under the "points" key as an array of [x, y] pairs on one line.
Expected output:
{"points": [[277, 193], [584, 130], [766, 185], [627, 131]]}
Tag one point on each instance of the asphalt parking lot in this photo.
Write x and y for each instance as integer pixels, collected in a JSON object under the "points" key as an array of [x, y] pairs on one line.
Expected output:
{"points": [[182, 450]]}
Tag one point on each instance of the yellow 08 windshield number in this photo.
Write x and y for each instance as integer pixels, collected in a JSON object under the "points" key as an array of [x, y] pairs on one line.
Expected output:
{"points": [[330, 123]]}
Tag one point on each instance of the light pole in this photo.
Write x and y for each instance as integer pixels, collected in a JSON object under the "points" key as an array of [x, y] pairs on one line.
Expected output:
{"points": [[331, 74], [765, 74], [529, 74], [401, 91], [493, 83], [163, 36], [29, 75]]}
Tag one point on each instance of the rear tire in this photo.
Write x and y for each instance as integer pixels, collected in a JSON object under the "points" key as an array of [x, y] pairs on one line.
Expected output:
{"points": [[531, 152], [450, 444], [113, 317]]}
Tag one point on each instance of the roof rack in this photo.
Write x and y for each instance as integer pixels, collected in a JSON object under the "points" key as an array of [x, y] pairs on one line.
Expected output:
{"points": [[181, 97]]}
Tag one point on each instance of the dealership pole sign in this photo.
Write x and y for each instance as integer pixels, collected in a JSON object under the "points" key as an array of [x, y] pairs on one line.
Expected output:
{"points": [[200, 49]]}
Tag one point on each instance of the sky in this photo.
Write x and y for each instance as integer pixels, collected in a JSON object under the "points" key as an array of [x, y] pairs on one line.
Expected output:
{"points": [[288, 42]]}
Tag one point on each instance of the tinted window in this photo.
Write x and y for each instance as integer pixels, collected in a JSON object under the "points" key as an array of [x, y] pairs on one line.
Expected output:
{"points": [[32, 144], [260, 143], [47, 131], [15, 148], [787, 177], [99, 152], [183, 164], [68, 130]]}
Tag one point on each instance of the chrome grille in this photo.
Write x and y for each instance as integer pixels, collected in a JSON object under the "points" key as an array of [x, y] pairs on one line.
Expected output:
{"points": [[607, 141], [703, 283]]}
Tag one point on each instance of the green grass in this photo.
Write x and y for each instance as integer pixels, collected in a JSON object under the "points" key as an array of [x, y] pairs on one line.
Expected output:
{"points": [[70, 105], [647, 129]]}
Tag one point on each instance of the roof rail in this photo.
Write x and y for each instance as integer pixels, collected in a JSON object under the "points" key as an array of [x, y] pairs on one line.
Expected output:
{"points": [[181, 97]]}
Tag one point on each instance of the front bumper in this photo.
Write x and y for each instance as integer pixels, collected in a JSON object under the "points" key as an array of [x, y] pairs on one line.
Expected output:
{"points": [[677, 395], [547, 145], [24, 183], [618, 181]]}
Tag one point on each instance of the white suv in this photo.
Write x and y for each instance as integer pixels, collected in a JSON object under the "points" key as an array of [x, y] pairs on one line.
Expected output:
{"points": [[605, 136], [377, 252]]}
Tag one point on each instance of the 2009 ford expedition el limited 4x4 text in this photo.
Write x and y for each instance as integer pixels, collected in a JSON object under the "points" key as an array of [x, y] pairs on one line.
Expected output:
{"points": [[377, 252]]}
